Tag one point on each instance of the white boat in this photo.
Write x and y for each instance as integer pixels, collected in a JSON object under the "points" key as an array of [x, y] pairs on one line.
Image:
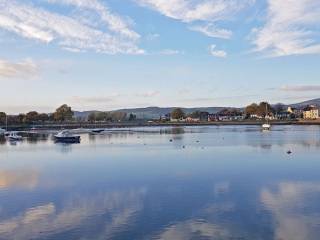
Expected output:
{"points": [[13, 136], [266, 126], [2, 131], [67, 137]]}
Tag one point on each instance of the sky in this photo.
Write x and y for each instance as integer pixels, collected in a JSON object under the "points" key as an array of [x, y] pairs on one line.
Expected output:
{"points": [[111, 54]]}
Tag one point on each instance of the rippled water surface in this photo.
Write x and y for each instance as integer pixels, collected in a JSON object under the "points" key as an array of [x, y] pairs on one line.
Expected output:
{"points": [[232, 182]]}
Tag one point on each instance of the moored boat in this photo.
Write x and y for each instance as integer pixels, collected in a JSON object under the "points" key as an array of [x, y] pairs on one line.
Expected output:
{"points": [[13, 136], [2, 131], [67, 137], [266, 126]]}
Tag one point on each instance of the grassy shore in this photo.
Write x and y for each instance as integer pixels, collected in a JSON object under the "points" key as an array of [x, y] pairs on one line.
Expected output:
{"points": [[73, 125]]}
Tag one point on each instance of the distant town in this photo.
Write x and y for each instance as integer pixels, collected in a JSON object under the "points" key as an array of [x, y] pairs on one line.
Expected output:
{"points": [[251, 113]]}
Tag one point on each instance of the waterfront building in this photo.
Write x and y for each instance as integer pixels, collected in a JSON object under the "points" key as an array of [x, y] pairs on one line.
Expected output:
{"points": [[311, 112]]}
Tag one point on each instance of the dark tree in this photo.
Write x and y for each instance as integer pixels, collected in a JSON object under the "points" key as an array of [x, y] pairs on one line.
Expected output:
{"points": [[43, 117], [3, 118], [32, 117], [195, 114], [177, 113], [251, 109], [63, 113], [265, 109]]}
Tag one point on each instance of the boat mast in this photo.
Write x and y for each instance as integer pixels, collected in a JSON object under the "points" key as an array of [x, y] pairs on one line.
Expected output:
{"points": [[266, 112]]}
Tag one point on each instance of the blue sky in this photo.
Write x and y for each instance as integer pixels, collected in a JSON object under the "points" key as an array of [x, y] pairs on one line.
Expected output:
{"points": [[110, 54]]}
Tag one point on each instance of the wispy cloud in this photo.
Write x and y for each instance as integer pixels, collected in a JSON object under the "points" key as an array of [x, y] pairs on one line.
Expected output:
{"points": [[169, 52], [206, 12], [212, 31], [290, 29], [114, 22], [301, 88], [26, 69], [112, 36], [148, 94], [217, 53]]}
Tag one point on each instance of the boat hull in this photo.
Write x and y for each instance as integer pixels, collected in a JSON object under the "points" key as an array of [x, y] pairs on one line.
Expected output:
{"points": [[96, 131], [72, 139], [15, 138]]}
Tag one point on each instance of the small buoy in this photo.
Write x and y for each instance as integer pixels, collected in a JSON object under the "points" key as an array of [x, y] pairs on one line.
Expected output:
{"points": [[289, 152], [170, 140], [183, 146]]}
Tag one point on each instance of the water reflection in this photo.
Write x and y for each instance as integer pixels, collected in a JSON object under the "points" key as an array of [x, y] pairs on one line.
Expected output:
{"points": [[109, 212], [21, 178], [280, 136], [295, 209], [194, 230], [228, 183]]}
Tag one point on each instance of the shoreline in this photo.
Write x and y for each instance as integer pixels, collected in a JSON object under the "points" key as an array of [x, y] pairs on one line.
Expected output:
{"points": [[54, 126]]}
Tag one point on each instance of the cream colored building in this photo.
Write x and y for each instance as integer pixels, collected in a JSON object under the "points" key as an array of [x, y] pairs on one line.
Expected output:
{"points": [[311, 112]]}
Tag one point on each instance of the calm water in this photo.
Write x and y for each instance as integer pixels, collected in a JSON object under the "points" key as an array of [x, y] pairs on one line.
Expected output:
{"points": [[208, 183]]}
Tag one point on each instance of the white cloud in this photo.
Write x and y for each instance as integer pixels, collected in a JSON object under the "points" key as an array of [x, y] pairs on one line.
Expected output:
{"points": [[217, 53], [113, 21], [212, 31], [205, 11], [68, 31], [26, 69], [291, 28]]}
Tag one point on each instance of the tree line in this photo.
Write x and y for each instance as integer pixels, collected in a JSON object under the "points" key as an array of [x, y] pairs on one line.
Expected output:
{"points": [[178, 113], [64, 113], [262, 109], [110, 117]]}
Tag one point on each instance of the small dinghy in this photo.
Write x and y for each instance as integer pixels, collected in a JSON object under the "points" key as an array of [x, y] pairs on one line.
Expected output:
{"points": [[66, 136], [13, 136]]}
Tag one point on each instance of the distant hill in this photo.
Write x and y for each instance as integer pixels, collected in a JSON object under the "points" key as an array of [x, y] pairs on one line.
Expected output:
{"points": [[315, 102], [153, 112], [156, 112]]}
